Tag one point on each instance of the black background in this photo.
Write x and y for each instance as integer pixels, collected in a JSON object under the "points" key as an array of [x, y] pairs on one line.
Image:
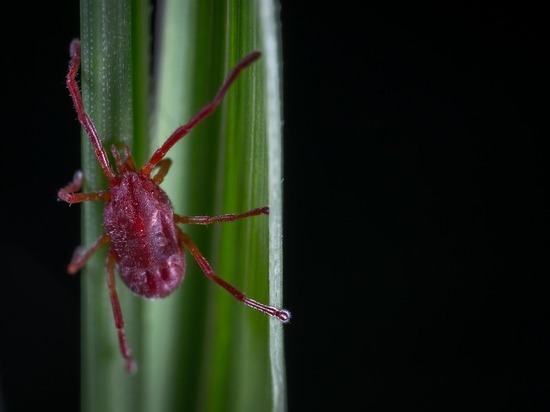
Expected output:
{"points": [[416, 252]]}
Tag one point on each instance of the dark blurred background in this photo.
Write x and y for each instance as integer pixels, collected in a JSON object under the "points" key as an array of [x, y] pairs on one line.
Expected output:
{"points": [[416, 247]]}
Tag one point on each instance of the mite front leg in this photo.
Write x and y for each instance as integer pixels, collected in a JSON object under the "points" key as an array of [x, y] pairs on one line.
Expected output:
{"points": [[207, 220], [83, 118], [206, 111], [68, 194], [131, 365]]}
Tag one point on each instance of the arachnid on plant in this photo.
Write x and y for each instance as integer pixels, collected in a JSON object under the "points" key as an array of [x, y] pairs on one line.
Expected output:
{"points": [[144, 241]]}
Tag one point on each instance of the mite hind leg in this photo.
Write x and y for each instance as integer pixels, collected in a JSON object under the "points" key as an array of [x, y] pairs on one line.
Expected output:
{"points": [[82, 254], [131, 365], [282, 314]]}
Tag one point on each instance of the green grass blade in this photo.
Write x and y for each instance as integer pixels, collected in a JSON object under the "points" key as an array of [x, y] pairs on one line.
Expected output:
{"points": [[115, 89], [230, 356], [198, 349]]}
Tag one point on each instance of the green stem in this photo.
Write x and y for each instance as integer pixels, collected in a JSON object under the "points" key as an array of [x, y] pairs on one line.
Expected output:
{"points": [[198, 349], [114, 87]]}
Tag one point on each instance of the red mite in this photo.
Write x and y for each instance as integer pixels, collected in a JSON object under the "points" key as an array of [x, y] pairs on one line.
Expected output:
{"points": [[140, 226]]}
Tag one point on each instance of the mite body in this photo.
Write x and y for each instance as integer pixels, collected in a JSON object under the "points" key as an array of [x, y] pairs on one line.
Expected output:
{"points": [[144, 239]]}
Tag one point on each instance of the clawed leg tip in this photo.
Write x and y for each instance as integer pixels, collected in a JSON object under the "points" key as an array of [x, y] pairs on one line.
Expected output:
{"points": [[284, 316]]}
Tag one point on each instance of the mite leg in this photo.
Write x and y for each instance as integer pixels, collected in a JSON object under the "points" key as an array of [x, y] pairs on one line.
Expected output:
{"points": [[83, 118], [207, 220], [131, 365], [82, 255], [127, 164], [163, 167], [67, 193], [129, 159], [281, 314], [183, 130]]}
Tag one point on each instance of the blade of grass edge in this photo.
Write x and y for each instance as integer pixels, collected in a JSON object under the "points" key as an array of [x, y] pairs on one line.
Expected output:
{"points": [[271, 41]]}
